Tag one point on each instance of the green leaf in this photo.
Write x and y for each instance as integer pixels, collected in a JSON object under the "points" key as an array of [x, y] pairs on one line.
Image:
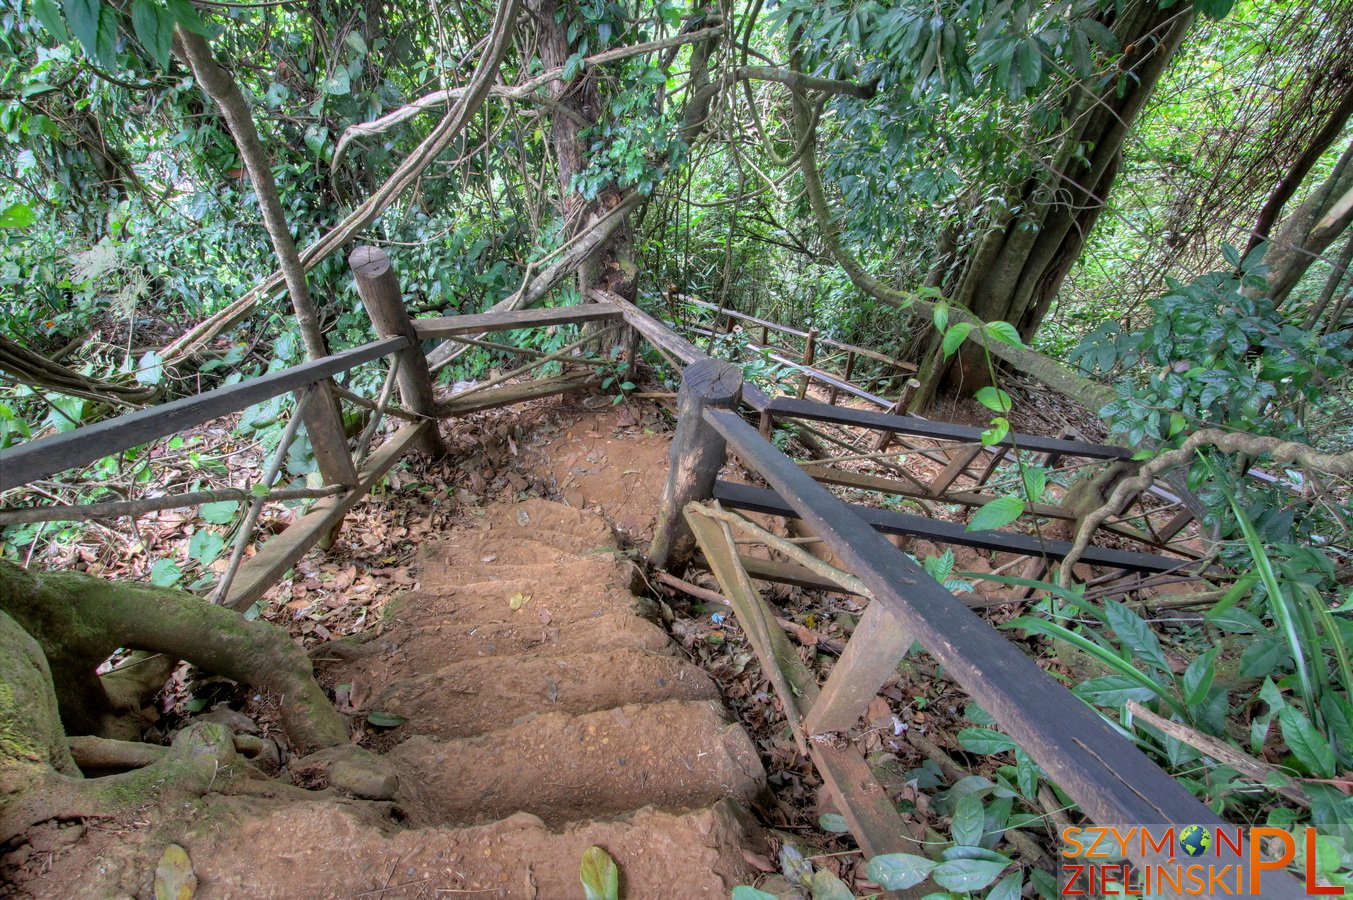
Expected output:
{"points": [[941, 316], [385, 719], [600, 877], [826, 886], [1003, 332], [743, 892], [954, 338], [165, 573], [1008, 888], [222, 513], [17, 215], [154, 28], [1306, 743], [898, 871], [967, 874], [50, 17], [1035, 482], [985, 741], [1198, 677], [969, 818], [205, 546], [1135, 634], [996, 513], [187, 18], [833, 822], [1000, 427], [994, 398], [337, 84], [83, 16]]}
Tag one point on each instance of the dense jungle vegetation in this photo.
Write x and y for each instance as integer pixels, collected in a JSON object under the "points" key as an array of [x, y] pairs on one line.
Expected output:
{"points": [[1145, 204]]}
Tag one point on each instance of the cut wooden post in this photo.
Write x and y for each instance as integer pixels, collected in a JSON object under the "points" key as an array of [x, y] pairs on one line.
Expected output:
{"points": [[697, 455], [767, 424], [875, 648], [765, 336], [809, 351], [328, 439], [379, 290], [899, 409]]}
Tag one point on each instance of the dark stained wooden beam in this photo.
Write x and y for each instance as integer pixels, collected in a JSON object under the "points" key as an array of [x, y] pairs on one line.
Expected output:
{"points": [[32, 460], [742, 496], [1111, 780], [510, 320], [509, 394], [943, 431]]}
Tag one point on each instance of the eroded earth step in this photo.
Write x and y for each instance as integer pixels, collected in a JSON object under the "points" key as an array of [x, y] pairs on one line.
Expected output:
{"points": [[674, 754], [327, 849], [475, 696]]}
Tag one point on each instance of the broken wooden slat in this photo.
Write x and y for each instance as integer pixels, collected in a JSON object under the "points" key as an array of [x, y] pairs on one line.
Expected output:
{"points": [[958, 464], [511, 320], [875, 648]]}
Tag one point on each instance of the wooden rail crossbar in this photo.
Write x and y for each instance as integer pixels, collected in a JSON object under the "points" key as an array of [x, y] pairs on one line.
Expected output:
{"points": [[742, 496], [43, 457], [942, 431], [510, 320], [1111, 780]]}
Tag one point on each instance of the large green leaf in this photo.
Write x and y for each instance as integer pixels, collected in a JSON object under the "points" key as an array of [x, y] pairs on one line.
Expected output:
{"points": [[967, 874], [955, 336], [220, 513], [1306, 743], [899, 871], [1135, 634], [17, 215], [996, 513], [985, 741], [826, 886], [154, 27], [599, 875], [967, 825], [995, 399], [187, 18], [83, 16], [50, 17], [1004, 332], [744, 892]]}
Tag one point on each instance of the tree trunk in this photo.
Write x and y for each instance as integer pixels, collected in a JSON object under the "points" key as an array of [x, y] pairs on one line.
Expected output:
{"points": [[1015, 269]]}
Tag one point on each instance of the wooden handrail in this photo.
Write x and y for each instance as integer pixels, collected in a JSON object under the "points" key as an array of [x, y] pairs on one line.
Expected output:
{"points": [[942, 431], [510, 320], [43, 457], [743, 496], [1111, 781]]}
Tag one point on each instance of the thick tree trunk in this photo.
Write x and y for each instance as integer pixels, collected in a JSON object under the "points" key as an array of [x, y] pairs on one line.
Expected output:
{"points": [[1016, 268]]}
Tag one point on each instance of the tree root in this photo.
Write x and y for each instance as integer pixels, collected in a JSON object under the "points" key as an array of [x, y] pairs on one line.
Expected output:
{"points": [[1282, 452], [78, 621]]}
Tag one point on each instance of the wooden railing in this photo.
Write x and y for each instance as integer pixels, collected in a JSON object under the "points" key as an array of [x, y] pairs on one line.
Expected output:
{"points": [[1110, 780], [349, 468]]}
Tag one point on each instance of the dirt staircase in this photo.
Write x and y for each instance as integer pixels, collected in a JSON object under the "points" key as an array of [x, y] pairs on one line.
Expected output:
{"points": [[546, 713]]}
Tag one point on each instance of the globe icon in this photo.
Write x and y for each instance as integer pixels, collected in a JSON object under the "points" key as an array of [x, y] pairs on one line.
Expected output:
{"points": [[1194, 840]]}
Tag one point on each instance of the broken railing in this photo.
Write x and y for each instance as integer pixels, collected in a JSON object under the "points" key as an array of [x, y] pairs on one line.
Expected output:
{"points": [[1110, 780]]}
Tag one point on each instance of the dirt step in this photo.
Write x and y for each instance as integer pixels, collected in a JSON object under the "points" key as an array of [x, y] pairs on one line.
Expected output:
{"points": [[491, 602], [564, 768], [327, 849], [406, 649], [568, 529], [477, 695]]}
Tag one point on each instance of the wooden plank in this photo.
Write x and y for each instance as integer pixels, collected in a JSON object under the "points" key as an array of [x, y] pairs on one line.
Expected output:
{"points": [[868, 482], [328, 440], [659, 335], [509, 394], [942, 431], [875, 648], [788, 573], [510, 320], [958, 464], [1107, 777], [32, 460], [743, 496], [281, 552]]}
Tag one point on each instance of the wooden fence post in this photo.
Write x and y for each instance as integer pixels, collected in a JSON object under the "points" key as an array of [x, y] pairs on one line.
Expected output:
{"points": [[379, 290], [899, 409], [809, 354], [328, 441], [697, 454]]}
